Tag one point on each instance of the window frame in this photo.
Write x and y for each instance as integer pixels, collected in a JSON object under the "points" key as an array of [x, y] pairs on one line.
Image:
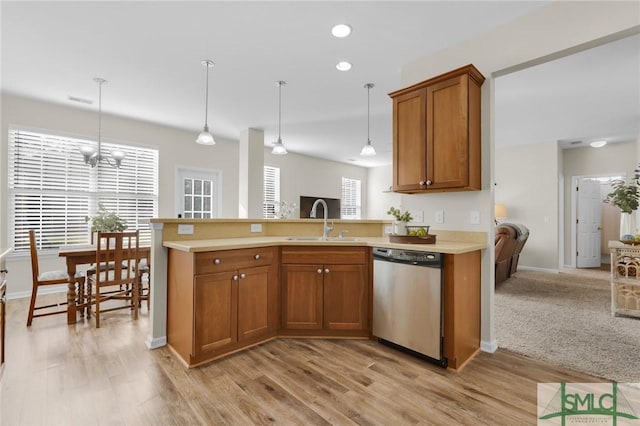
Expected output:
{"points": [[358, 195], [69, 178], [276, 191]]}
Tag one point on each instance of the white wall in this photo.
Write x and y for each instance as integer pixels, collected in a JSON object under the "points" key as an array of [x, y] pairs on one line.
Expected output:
{"points": [[526, 179], [302, 175]]}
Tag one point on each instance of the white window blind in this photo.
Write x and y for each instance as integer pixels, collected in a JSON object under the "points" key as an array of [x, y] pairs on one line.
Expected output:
{"points": [[52, 190], [271, 191], [351, 202]]}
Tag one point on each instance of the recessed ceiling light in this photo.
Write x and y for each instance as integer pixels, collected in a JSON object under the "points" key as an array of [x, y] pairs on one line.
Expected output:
{"points": [[341, 30], [343, 66], [598, 144]]}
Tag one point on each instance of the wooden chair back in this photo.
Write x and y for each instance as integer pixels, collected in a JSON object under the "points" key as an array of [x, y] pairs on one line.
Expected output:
{"points": [[48, 278], [117, 248]]}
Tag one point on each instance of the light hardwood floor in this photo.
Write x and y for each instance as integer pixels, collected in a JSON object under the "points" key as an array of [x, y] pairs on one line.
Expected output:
{"points": [[80, 375]]}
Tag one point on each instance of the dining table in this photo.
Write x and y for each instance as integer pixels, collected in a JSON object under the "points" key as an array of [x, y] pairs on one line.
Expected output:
{"points": [[84, 254]]}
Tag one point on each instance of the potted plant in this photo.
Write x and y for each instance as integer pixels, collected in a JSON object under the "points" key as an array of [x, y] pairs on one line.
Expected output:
{"points": [[401, 220], [625, 196], [105, 221]]}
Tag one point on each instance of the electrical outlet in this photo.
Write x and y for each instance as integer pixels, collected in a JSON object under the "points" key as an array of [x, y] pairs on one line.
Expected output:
{"points": [[256, 227], [439, 216], [417, 215], [388, 230], [475, 217], [185, 229]]}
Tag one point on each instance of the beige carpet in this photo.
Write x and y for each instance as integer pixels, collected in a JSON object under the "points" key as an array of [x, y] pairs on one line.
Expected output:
{"points": [[566, 320]]}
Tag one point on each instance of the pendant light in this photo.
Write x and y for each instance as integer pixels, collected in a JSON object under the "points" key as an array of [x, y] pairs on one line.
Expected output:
{"points": [[278, 147], [368, 150], [206, 138], [92, 156]]}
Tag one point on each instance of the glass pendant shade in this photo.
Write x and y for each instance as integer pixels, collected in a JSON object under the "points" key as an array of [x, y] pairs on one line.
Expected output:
{"points": [[278, 148], [368, 150], [205, 138]]}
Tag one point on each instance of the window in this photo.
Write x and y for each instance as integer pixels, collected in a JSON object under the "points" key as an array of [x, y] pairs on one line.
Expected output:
{"points": [[198, 193], [351, 203], [271, 191], [52, 190]]}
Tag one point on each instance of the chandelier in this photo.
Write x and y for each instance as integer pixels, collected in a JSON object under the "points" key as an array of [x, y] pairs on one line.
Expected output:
{"points": [[94, 156]]}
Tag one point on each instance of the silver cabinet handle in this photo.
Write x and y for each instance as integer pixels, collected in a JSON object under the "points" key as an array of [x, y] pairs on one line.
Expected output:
{"points": [[256, 257], [216, 261], [422, 183], [235, 278], [326, 270], [243, 275], [428, 182], [319, 271]]}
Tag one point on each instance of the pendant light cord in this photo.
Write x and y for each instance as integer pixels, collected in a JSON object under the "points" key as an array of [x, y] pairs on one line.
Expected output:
{"points": [[279, 109], [206, 96], [368, 107]]}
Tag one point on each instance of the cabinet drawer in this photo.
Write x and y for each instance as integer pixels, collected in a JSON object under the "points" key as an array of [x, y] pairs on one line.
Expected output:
{"points": [[324, 255], [227, 260]]}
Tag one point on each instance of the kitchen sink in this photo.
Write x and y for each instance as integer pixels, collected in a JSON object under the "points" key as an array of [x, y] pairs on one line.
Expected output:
{"points": [[345, 239]]}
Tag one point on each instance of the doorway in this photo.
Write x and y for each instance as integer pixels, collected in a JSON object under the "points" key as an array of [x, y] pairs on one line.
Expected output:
{"points": [[594, 222]]}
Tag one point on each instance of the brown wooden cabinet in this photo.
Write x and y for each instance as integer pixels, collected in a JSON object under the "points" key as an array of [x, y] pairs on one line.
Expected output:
{"points": [[220, 301], [325, 288], [461, 309], [436, 133]]}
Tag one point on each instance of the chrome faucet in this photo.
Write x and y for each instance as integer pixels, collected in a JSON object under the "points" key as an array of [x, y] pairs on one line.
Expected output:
{"points": [[327, 228]]}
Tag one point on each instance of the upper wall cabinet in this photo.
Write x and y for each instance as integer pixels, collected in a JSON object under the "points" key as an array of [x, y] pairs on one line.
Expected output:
{"points": [[436, 133]]}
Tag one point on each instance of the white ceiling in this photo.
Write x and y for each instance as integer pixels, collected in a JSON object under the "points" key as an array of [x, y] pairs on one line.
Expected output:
{"points": [[591, 95], [150, 53]]}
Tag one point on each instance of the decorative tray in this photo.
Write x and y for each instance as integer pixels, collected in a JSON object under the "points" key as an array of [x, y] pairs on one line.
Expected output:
{"points": [[411, 239], [630, 242]]}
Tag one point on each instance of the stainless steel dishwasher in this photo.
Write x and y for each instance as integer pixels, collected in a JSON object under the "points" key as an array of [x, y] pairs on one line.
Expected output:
{"points": [[407, 301]]}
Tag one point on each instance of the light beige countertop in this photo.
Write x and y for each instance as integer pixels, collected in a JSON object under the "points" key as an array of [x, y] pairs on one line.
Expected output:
{"points": [[449, 247]]}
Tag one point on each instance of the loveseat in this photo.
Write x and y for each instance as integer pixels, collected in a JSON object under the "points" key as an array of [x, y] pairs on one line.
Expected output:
{"points": [[510, 239]]}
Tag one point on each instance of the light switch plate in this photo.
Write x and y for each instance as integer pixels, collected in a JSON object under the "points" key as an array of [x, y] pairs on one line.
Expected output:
{"points": [[185, 229], [475, 217], [256, 227], [439, 216]]}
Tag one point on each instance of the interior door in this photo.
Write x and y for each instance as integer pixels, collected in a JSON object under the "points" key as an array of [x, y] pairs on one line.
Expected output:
{"points": [[588, 228]]}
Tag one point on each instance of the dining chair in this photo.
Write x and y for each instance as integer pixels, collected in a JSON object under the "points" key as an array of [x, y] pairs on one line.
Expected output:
{"points": [[55, 277], [115, 285]]}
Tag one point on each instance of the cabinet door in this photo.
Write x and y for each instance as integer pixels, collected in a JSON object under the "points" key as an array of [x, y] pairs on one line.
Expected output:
{"points": [[255, 303], [447, 134], [409, 149], [345, 297], [302, 291], [216, 311]]}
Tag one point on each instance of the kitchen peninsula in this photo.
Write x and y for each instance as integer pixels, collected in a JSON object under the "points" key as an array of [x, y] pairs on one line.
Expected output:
{"points": [[221, 285]]}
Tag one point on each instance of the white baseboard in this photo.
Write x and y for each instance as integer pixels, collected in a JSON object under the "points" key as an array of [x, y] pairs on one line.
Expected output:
{"points": [[490, 347], [62, 288], [533, 268], [154, 343]]}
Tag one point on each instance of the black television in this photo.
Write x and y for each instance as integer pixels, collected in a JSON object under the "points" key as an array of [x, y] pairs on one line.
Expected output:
{"points": [[306, 203]]}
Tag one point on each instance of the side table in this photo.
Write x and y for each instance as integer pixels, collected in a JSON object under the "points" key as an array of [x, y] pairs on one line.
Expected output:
{"points": [[625, 279]]}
